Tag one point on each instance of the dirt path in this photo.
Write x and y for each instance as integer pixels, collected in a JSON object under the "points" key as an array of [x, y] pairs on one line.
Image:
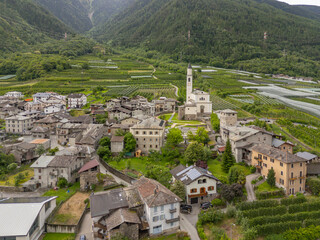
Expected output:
{"points": [[251, 195], [177, 89]]}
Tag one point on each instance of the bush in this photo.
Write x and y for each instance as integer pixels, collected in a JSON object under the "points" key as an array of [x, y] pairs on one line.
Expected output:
{"points": [[296, 200], [217, 233], [309, 233], [12, 167], [275, 228], [269, 211], [304, 207], [253, 182], [250, 234], [253, 169], [231, 211], [257, 204], [313, 185], [130, 174], [266, 195], [3, 177], [260, 178], [217, 202], [62, 182], [86, 201], [200, 230], [18, 179], [210, 216]]}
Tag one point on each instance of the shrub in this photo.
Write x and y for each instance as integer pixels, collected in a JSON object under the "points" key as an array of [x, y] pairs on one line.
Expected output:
{"points": [[266, 195], [3, 177], [17, 180], [313, 184], [217, 233], [260, 178], [250, 234], [200, 230], [253, 169], [86, 201], [231, 211], [253, 182], [217, 202], [296, 200], [304, 207], [309, 233], [257, 204], [236, 175], [275, 228], [269, 211], [130, 174], [12, 166], [62, 182], [210, 216]]}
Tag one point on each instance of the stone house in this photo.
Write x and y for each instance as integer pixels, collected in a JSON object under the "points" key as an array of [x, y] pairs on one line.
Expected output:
{"points": [[45, 143], [23, 152], [88, 174], [119, 113], [14, 94], [200, 184], [282, 145], [149, 134], [53, 108], [49, 122], [40, 132], [19, 124], [117, 144], [164, 105], [91, 135], [290, 170], [115, 127], [77, 100]]}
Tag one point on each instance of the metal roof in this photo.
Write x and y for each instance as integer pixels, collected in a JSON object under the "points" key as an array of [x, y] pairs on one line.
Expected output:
{"points": [[16, 219], [277, 143], [306, 155]]}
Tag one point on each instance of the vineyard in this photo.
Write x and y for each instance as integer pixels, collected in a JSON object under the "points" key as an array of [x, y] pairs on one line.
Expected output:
{"points": [[270, 217], [220, 104]]}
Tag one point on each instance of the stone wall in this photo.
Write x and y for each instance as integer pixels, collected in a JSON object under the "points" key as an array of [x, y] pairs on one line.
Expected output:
{"points": [[131, 231], [88, 177]]}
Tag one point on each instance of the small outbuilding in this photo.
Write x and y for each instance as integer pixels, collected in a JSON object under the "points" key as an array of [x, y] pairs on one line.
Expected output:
{"points": [[117, 144]]}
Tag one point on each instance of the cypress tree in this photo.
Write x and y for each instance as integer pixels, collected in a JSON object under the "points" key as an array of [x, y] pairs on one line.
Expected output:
{"points": [[228, 159]]}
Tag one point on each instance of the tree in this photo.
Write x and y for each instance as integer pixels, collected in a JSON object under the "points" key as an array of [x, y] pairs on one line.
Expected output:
{"points": [[230, 192], [215, 122], [174, 137], [207, 154], [104, 152], [85, 65], [236, 175], [201, 136], [102, 118], [159, 173], [120, 132], [228, 159], [40, 150], [179, 189], [193, 153], [62, 182], [271, 179], [129, 142], [18, 179], [105, 142]]}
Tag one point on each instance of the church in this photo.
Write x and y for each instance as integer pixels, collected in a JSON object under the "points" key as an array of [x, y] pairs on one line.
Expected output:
{"points": [[197, 105]]}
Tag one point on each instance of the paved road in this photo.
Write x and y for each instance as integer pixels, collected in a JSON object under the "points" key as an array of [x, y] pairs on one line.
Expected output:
{"points": [[86, 227], [250, 191], [188, 222]]}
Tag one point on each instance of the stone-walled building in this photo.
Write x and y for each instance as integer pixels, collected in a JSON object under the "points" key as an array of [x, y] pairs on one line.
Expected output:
{"points": [[88, 174], [117, 144], [77, 100], [149, 134], [19, 124]]}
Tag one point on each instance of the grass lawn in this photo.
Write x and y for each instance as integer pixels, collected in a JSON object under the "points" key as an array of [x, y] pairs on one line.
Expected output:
{"points": [[137, 164], [59, 236], [11, 180], [215, 167], [265, 187], [62, 193], [167, 237]]}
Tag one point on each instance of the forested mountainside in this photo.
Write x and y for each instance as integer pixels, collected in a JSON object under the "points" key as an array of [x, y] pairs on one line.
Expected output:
{"points": [[71, 12], [312, 12], [222, 31], [82, 15], [23, 23]]}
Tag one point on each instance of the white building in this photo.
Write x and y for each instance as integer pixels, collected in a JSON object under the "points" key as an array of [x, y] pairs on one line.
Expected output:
{"points": [[200, 184], [19, 124], [41, 97], [24, 218], [161, 206], [77, 100], [54, 108], [14, 94], [198, 104]]}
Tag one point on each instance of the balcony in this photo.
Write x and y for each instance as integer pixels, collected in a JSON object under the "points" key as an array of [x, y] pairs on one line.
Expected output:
{"points": [[172, 220], [302, 177], [293, 178], [198, 195], [172, 210]]}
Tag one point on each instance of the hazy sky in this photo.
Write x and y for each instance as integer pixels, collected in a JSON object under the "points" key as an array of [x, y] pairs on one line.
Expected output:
{"points": [[302, 2]]}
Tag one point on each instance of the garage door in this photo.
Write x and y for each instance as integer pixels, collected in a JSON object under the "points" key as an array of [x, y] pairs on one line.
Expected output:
{"points": [[157, 229], [194, 200]]}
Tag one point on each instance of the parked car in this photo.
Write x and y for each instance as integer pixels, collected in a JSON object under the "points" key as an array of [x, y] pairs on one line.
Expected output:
{"points": [[83, 237], [205, 205], [185, 208]]}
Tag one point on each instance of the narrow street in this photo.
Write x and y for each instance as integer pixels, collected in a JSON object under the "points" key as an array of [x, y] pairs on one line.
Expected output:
{"points": [[188, 222], [86, 227], [250, 191]]}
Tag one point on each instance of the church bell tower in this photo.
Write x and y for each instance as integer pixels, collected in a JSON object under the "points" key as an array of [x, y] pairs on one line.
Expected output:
{"points": [[189, 83]]}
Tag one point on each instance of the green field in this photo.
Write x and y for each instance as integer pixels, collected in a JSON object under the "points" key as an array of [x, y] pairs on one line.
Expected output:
{"points": [[59, 236], [62, 193]]}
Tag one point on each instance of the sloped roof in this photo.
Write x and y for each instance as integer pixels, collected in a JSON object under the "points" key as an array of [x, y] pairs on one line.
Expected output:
{"points": [[19, 215], [93, 163], [306, 155], [117, 138], [102, 203], [190, 174], [152, 123], [62, 161], [120, 216], [277, 143], [154, 193], [313, 168], [42, 162]]}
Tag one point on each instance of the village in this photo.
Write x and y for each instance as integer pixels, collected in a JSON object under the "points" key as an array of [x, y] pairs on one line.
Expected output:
{"points": [[133, 168]]}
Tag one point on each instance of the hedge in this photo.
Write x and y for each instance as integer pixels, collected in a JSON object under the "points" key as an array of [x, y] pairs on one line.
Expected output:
{"points": [[257, 204], [291, 201], [276, 228], [310, 222], [270, 211], [301, 216], [304, 207], [313, 184], [266, 195], [309, 233]]}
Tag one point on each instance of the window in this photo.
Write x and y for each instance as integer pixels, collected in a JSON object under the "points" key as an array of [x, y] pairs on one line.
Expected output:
{"points": [[171, 224], [150, 146], [281, 173], [155, 219], [193, 190], [156, 146], [300, 181], [162, 208], [47, 205], [137, 132], [300, 173], [291, 165], [150, 133], [265, 158], [156, 132], [301, 164], [281, 164], [144, 132], [172, 206], [292, 175], [144, 139], [259, 156], [211, 188], [155, 209], [8, 238], [34, 226], [39, 170], [272, 160], [162, 217]]}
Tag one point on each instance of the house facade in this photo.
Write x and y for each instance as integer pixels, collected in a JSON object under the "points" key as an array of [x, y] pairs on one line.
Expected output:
{"points": [[290, 170], [77, 100], [200, 184], [149, 134], [19, 124]]}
